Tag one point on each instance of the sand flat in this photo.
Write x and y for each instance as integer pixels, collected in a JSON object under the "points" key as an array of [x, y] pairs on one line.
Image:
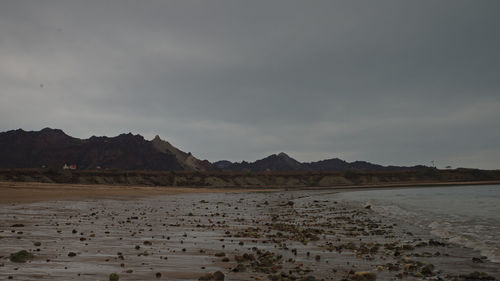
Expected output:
{"points": [[28, 192]]}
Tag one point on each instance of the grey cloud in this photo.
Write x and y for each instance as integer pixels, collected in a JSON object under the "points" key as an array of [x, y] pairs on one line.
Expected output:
{"points": [[393, 82]]}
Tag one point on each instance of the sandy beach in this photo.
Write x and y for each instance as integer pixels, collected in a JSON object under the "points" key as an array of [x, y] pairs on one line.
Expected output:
{"points": [[77, 232], [29, 192]]}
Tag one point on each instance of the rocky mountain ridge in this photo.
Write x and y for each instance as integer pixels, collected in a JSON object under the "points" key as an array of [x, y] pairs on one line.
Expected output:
{"points": [[52, 148], [284, 163]]}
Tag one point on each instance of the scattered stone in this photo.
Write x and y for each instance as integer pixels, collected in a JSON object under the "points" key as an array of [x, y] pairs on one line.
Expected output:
{"points": [[21, 256], [218, 276], [363, 276], [427, 270], [114, 277], [349, 238], [435, 243], [239, 268], [477, 260], [477, 276]]}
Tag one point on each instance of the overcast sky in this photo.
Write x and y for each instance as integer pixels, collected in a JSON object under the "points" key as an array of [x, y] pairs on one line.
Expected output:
{"points": [[391, 82]]}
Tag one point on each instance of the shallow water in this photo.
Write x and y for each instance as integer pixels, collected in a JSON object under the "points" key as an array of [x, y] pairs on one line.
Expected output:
{"points": [[467, 215]]}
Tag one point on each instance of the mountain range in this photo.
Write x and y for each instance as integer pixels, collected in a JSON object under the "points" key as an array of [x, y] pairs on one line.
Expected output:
{"points": [[283, 162], [54, 149]]}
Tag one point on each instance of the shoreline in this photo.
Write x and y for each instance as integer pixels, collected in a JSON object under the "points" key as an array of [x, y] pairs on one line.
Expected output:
{"points": [[401, 186], [30, 192], [458, 214], [221, 179]]}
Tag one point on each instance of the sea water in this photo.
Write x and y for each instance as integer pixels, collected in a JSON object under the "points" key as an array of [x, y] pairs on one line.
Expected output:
{"points": [[467, 215]]}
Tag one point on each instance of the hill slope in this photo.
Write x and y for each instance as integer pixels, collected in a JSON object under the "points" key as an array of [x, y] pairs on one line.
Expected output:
{"points": [[53, 148]]}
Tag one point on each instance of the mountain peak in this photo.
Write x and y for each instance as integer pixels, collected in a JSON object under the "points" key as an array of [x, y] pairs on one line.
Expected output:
{"points": [[187, 160], [48, 130], [283, 155], [283, 162]]}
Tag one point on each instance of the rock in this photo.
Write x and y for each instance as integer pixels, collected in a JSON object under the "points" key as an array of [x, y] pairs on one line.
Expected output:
{"points": [[239, 258], [276, 277], [114, 277], [21, 256], [392, 267], [427, 270], [158, 275], [239, 268], [17, 225], [436, 243], [477, 276], [218, 276], [71, 254], [419, 275], [477, 260], [363, 276]]}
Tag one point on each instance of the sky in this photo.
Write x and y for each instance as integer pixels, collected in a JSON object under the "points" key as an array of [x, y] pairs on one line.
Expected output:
{"points": [[391, 82]]}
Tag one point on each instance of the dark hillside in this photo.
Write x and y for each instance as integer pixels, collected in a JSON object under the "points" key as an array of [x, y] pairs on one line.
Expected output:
{"points": [[52, 148]]}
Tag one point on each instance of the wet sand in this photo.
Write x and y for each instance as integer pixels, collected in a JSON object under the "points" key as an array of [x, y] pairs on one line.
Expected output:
{"points": [[28, 192], [184, 235]]}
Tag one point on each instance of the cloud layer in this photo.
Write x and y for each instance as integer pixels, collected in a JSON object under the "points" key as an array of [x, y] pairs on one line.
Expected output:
{"points": [[392, 82]]}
